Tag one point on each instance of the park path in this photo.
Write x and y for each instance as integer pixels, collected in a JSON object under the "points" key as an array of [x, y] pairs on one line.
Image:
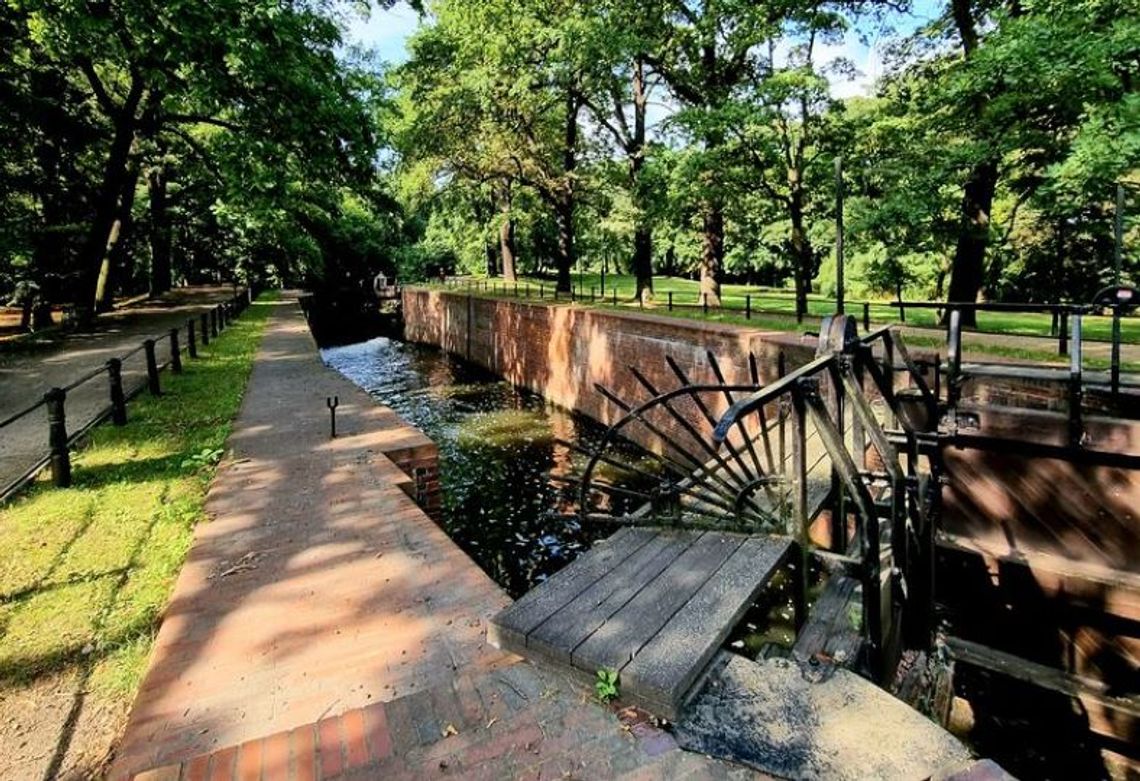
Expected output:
{"points": [[324, 626], [30, 367]]}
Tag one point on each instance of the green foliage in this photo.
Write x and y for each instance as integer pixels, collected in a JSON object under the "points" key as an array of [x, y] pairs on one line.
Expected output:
{"points": [[206, 457], [245, 140], [606, 685]]}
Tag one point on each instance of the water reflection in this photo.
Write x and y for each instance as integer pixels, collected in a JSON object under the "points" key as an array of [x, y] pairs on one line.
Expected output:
{"points": [[506, 497]]}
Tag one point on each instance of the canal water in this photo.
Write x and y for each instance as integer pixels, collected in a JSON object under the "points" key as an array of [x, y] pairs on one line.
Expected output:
{"points": [[508, 496]]}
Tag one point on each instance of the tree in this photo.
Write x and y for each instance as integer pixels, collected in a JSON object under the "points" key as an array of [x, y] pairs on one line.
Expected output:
{"points": [[705, 51], [154, 71]]}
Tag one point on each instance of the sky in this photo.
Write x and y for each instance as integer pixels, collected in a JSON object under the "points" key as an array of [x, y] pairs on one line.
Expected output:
{"points": [[388, 31]]}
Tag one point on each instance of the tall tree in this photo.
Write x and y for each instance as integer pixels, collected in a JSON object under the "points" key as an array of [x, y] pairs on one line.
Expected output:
{"points": [[705, 52]]}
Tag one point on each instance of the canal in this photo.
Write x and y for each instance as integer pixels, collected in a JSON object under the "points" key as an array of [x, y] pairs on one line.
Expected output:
{"points": [[506, 471]]}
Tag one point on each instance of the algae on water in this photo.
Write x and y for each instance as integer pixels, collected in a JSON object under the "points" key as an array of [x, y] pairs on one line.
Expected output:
{"points": [[505, 429]]}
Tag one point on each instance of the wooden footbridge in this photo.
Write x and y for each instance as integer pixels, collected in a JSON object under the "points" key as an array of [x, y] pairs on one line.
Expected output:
{"points": [[728, 504], [830, 478]]}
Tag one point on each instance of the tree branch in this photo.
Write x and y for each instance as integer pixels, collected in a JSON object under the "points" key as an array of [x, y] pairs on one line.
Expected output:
{"points": [[199, 119]]}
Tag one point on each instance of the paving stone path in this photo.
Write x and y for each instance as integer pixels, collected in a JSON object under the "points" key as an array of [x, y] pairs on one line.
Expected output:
{"points": [[30, 367], [325, 627]]}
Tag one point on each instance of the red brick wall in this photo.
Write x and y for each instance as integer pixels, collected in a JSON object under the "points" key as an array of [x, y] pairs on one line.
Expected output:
{"points": [[562, 351], [421, 464]]}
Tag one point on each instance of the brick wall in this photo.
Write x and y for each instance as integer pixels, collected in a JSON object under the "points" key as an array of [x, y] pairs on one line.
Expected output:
{"points": [[421, 463], [562, 352]]}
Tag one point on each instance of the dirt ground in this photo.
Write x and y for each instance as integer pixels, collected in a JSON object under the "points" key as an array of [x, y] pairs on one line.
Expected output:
{"points": [[55, 728]]}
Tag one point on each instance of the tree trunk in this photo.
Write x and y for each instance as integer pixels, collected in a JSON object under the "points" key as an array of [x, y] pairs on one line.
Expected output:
{"points": [[977, 194], [973, 237], [507, 247], [105, 227], [802, 255], [643, 261], [160, 276], [567, 253], [642, 232], [115, 250], [565, 199], [712, 250], [492, 261]]}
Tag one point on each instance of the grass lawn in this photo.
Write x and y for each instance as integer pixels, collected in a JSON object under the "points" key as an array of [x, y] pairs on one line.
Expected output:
{"points": [[86, 571], [782, 302], [775, 310]]}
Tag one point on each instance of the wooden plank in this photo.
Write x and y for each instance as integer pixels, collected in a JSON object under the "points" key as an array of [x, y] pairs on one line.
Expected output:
{"points": [[628, 630], [1059, 565], [563, 631], [1040, 675], [664, 670], [509, 629], [829, 633]]}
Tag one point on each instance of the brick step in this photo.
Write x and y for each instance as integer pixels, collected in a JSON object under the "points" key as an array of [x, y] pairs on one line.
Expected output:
{"points": [[515, 721]]}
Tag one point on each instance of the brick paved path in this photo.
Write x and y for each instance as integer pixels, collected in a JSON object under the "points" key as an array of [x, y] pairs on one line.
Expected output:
{"points": [[324, 626]]}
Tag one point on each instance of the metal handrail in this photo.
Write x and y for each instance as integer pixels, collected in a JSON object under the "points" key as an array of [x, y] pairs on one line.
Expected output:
{"points": [[27, 410], [61, 441]]}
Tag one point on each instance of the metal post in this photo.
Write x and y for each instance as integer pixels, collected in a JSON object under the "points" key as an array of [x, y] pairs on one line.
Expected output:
{"points": [[866, 315], [175, 352], [151, 368], [1063, 333], [205, 328], [670, 300], [1076, 427], [748, 306], [541, 291], [954, 357], [705, 303], [1115, 349], [839, 292], [57, 437], [799, 507], [613, 291], [191, 347], [118, 398]]}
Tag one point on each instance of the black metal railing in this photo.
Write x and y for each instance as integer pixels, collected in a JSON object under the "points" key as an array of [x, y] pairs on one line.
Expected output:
{"points": [[62, 440], [758, 304]]}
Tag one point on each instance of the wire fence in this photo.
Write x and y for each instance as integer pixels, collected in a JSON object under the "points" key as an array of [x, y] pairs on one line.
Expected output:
{"points": [[127, 375]]}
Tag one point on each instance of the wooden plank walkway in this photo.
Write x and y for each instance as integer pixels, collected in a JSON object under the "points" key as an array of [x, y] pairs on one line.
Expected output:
{"points": [[652, 604]]}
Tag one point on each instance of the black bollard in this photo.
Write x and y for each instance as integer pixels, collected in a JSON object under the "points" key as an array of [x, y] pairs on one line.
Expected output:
{"points": [[175, 352], [332, 402], [118, 398], [57, 437], [151, 369]]}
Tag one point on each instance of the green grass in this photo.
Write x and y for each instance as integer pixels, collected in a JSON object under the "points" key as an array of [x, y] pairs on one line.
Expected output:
{"points": [[87, 570], [771, 301], [775, 310]]}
